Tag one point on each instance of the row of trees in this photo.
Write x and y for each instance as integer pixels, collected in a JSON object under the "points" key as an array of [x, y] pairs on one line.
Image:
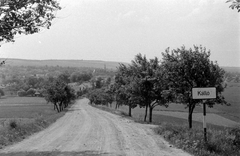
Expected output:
{"points": [[150, 83], [80, 77], [30, 92], [101, 96]]}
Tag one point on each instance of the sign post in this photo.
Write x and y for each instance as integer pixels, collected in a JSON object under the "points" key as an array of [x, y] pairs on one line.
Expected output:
{"points": [[203, 94], [204, 122]]}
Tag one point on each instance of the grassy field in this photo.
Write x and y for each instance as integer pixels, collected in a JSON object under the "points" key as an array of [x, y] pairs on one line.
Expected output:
{"points": [[232, 95], [175, 116], [25, 107], [219, 114], [22, 101]]}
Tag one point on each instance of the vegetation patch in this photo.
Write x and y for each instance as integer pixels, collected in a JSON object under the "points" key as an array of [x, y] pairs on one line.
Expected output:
{"points": [[15, 131], [221, 142]]}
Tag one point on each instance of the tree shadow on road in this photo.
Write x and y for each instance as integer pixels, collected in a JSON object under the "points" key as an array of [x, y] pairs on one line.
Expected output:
{"points": [[59, 153]]}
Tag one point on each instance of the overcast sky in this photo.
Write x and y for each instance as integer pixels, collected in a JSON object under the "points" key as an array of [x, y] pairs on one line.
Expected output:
{"points": [[117, 30]]}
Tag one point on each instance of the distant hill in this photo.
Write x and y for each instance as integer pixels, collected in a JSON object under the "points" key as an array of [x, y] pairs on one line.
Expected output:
{"points": [[81, 63], [232, 69], [64, 63]]}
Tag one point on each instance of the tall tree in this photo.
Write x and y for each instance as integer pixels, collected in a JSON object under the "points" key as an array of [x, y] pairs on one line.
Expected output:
{"points": [[189, 68], [60, 94], [124, 84], [151, 88], [25, 17]]}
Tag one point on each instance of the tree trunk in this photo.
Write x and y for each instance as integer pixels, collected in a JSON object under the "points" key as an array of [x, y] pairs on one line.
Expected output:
{"points": [[116, 105], [190, 112], [190, 118], [55, 105], [129, 110], [150, 113], [146, 110], [61, 106]]}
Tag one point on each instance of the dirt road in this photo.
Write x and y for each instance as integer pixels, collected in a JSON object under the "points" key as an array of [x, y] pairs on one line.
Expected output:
{"points": [[88, 130]]}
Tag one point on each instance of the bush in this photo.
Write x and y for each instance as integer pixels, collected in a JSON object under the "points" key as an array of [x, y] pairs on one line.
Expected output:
{"points": [[235, 136], [17, 132], [13, 124], [21, 93], [1, 92], [221, 142], [30, 92]]}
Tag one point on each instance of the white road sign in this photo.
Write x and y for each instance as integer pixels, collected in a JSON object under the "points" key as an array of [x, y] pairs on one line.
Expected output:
{"points": [[204, 93]]}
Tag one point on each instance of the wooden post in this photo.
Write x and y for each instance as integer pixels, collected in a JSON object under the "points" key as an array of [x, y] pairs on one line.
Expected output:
{"points": [[204, 122]]}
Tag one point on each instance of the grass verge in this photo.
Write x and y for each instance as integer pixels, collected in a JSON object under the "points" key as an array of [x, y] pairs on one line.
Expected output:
{"points": [[222, 141], [15, 132]]}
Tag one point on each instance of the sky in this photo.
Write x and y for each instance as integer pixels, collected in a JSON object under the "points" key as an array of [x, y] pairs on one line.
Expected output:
{"points": [[117, 30]]}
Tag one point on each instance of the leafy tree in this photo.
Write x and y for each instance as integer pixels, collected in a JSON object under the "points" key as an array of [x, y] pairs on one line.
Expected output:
{"points": [[124, 84], [60, 94], [98, 82], [235, 4], [81, 92], [65, 77], [100, 96], [32, 81], [21, 93], [70, 96], [73, 77], [151, 87], [31, 92], [84, 77], [80, 77], [95, 96], [25, 17], [143, 83], [108, 81], [189, 68], [110, 92]]}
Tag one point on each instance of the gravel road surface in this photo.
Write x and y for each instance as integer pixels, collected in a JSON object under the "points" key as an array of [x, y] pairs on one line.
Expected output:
{"points": [[85, 129]]}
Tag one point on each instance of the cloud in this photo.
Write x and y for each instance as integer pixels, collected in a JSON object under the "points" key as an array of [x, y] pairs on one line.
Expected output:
{"points": [[130, 14], [200, 11], [132, 19]]}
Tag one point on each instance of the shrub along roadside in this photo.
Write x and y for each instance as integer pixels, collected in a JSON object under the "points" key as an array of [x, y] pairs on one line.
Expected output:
{"points": [[15, 132], [221, 141]]}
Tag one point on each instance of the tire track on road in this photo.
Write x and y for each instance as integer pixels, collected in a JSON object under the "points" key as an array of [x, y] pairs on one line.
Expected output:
{"points": [[88, 129]]}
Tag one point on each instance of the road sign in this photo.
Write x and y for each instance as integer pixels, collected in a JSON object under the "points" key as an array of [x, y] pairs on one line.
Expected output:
{"points": [[204, 93]]}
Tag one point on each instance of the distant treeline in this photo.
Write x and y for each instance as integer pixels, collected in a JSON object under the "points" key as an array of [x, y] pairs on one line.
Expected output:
{"points": [[64, 63], [21, 80]]}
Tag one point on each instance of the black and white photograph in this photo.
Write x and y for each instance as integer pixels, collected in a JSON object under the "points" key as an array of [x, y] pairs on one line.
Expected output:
{"points": [[119, 77]]}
